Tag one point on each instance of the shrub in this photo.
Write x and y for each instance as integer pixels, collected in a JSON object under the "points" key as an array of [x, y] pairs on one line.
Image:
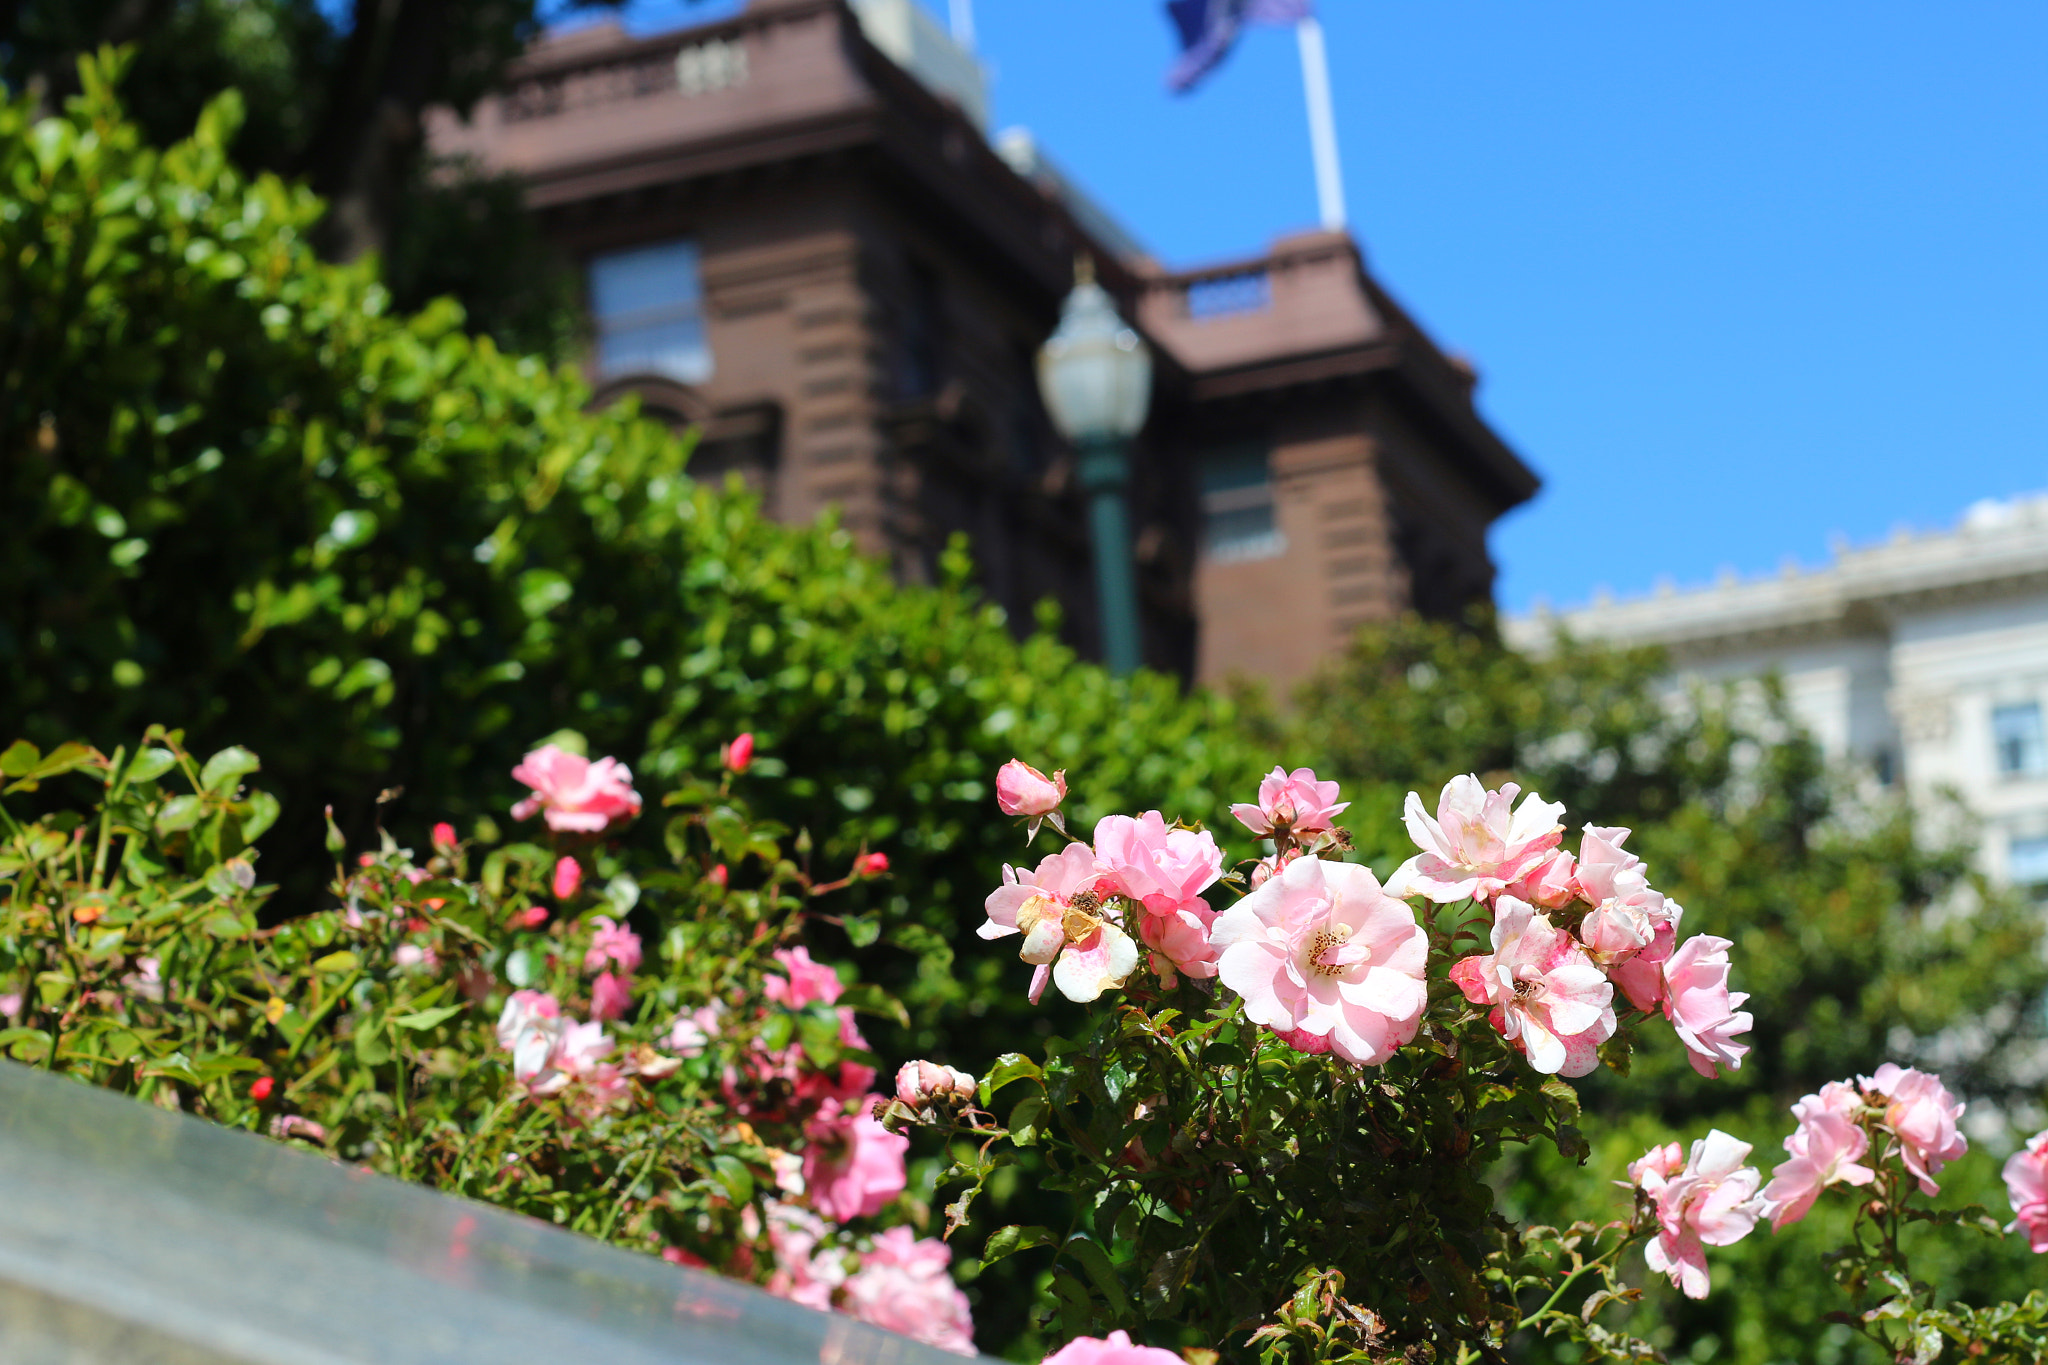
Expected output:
{"points": [[1273, 1133], [390, 557]]}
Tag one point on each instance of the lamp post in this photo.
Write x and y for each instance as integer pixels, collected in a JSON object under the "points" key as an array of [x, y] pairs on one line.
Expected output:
{"points": [[1096, 375]]}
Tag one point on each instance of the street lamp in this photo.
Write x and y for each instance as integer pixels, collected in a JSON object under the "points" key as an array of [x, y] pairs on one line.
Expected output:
{"points": [[1096, 375]]}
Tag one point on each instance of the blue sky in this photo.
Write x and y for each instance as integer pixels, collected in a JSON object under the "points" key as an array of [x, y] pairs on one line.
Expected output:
{"points": [[1737, 277]]}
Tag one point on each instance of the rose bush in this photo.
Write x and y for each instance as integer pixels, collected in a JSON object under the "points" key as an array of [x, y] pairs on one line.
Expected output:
{"points": [[1323, 1113]]}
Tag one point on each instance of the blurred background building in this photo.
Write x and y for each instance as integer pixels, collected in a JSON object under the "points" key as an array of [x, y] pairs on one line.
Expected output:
{"points": [[1923, 661], [797, 235]]}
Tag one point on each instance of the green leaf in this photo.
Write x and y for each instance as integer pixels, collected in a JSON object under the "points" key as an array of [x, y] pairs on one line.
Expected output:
{"points": [[1008, 1241], [1025, 1120], [733, 1174], [225, 768], [1096, 1262], [262, 812], [179, 813], [372, 1049], [426, 1019], [1011, 1066], [336, 962], [20, 759], [862, 930], [150, 764]]}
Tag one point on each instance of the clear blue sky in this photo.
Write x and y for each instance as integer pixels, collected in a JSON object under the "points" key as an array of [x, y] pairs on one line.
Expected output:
{"points": [[1737, 277]]}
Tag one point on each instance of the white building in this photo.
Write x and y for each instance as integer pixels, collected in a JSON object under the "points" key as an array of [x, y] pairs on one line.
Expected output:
{"points": [[1923, 660]]}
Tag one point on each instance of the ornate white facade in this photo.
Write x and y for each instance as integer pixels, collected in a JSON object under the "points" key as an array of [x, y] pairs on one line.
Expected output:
{"points": [[1923, 660]]}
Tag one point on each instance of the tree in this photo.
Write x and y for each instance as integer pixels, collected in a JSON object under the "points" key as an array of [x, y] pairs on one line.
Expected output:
{"points": [[337, 101]]}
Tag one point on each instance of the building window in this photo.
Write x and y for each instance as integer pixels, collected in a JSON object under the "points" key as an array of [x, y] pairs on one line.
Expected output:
{"points": [[2026, 861], [1237, 506], [2017, 733], [648, 304]]}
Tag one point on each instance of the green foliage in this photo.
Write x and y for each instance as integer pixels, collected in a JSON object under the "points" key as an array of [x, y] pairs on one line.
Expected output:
{"points": [[130, 930], [386, 555]]}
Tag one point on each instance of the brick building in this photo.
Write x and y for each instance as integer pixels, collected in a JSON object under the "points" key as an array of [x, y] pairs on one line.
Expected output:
{"points": [[797, 235]]}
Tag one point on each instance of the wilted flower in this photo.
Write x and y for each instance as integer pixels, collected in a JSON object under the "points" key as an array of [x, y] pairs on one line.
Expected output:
{"points": [[568, 878], [1824, 1149], [1114, 1349], [2026, 1181], [903, 1286], [1058, 910], [1548, 998], [1291, 805], [1919, 1111], [919, 1084], [576, 793], [852, 1164], [1701, 1008], [737, 754], [1711, 1201], [1321, 949], [1478, 843]]}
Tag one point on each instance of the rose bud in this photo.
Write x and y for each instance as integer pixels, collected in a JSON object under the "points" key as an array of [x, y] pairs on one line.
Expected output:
{"points": [[738, 754]]}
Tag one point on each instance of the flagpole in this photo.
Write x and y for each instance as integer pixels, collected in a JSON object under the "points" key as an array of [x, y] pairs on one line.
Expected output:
{"points": [[1322, 123]]}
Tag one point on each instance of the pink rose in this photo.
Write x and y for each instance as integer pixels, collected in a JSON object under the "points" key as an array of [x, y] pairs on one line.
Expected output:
{"points": [[1700, 1006], [1161, 867], [1628, 917], [444, 837], [871, 865], [529, 1028], [1023, 790], [576, 793], [568, 878], [1548, 998], [1302, 1041], [1477, 845], [610, 996], [1921, 1113], [1321, 949], [1291, 805], [1649, 1171], [738, 753], [1165, 870], [919, 1084], [1114, 1349], [1547, 885], [1179, 940], [852, 1164], [689, 1034], [807, 980], [1067, 937], [1825, 1149], [612, 942], [2026, 1181], [903, 1286], [1711, 1202]]}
